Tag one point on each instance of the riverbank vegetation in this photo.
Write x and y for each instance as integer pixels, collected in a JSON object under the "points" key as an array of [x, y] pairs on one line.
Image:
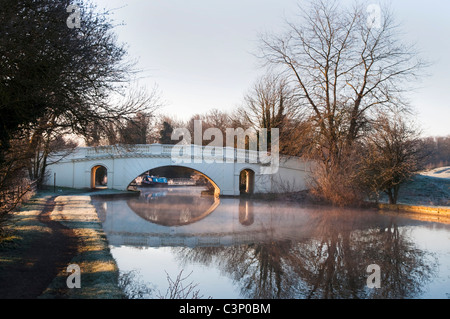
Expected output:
{"points": [[335, 86], [58, 82]]}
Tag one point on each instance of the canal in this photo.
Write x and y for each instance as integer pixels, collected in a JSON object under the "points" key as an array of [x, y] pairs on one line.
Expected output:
{"points": [[241, 248]]}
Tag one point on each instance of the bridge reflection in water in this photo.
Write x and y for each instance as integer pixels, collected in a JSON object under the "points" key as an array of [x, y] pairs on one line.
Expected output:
{"points": [[172, 208], [271, 249], [182, 217]]}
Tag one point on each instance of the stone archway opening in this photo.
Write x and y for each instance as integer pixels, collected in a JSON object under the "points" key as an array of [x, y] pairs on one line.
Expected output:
{"points": [[247, 182], [177, 176], [99, 177]]}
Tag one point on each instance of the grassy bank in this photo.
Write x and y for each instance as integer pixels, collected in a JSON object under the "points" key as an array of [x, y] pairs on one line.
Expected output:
{"points": [[99, 273], [22, 228], [425, 193], [424, 190]]}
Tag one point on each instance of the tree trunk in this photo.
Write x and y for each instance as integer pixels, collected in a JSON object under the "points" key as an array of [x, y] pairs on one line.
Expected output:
{"points": [[392, 200], [396, 189], [393, 194]]}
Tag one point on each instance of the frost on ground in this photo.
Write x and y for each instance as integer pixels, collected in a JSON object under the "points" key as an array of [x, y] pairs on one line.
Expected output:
{"points": [[440, 172], [429, 188]]}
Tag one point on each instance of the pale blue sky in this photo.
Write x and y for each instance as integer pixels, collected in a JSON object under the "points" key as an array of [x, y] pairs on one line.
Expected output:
{"points": [[199, 51]]}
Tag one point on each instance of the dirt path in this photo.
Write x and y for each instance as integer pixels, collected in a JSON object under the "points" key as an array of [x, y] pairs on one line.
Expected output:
{"points": [[44, 259]]}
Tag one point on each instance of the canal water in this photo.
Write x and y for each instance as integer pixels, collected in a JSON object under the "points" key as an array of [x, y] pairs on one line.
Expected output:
{"points": [[238, 248]]}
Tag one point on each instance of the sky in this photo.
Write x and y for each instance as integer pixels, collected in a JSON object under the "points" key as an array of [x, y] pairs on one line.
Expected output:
{"points": [[200, 53]]}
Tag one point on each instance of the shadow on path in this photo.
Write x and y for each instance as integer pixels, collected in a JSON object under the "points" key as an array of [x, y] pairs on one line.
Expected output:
{"points": [[42, 261]]}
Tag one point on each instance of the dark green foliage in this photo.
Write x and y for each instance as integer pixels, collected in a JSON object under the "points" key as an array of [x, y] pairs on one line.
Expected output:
{"points": [[46, 67]]}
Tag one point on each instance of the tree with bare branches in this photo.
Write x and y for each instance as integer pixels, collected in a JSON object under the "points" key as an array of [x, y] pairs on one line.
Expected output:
{"points": [[270, 103], [392, 154], [344, 71]]}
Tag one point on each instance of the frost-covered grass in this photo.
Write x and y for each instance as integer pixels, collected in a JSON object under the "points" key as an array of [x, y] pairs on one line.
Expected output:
{"points": [[99, 272], [21, 229], [440, 172], [431, 188]]}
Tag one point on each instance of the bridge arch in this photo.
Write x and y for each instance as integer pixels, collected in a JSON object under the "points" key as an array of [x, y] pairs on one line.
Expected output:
{"points": [[99, 176], [216, 187]]}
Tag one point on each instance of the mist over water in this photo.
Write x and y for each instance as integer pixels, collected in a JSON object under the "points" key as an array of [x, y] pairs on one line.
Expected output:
{"points": [[244, 248]]}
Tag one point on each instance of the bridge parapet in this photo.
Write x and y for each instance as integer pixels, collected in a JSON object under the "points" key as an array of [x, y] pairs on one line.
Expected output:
{"points": [[226, 154], [133, 149]]}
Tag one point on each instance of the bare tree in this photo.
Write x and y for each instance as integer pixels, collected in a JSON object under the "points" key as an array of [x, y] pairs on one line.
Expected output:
{"points": [[165, 127], [179, 289], [393, 154], [217, 119], [439, 150], [54, 81], [47, 146], [134, 123], [15, 185], [165, 134], [133, 286], [341, 68], [344, 71], [271, 104], [136, 129]]}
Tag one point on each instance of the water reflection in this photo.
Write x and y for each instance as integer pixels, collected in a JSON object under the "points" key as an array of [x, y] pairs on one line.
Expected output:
{"points": [[279, 250], [246, 212], [172, 208], [330, 265]]}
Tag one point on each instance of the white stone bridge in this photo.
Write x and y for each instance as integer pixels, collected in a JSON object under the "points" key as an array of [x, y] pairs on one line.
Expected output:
{"points": [[226, 168]]}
